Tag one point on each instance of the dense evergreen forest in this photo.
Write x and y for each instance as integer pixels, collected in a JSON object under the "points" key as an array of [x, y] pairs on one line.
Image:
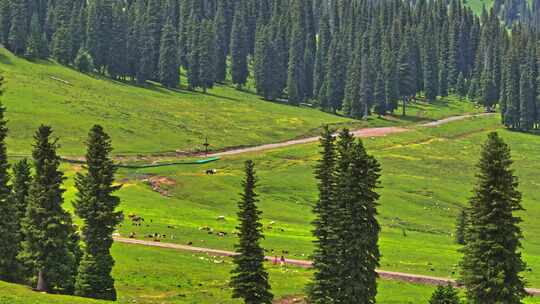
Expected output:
{"points": [[355, 57]]}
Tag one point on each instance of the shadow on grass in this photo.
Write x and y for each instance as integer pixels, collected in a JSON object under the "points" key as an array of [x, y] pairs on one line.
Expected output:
{"points": [[529, 132], [5, 60]]}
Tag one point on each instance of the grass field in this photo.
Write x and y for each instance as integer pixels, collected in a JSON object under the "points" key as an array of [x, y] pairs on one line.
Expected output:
{"points": [[427, 175], [153, 119], [149, 276]]}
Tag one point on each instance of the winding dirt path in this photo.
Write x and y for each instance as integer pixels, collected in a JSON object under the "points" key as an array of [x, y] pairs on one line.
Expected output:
{"points": [[360, 133], [388, 275]]}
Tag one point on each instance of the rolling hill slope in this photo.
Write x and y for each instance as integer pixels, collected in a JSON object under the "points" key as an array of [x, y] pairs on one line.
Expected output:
{"points": [[153, 119]]}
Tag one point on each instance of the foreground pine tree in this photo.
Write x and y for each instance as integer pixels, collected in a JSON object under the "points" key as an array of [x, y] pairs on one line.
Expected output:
{"points": [[47, 227], [95, 205], [445, 295], [19, 195], [9, 240], [357, 229], [249, 278], [324, 287], [492, 264]]}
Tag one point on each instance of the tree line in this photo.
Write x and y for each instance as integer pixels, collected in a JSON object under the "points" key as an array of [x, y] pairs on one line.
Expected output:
{"points": [[40, 245], [356, 57]]}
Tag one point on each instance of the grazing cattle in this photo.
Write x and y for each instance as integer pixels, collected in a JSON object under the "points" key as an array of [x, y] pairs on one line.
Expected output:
{"points": [[221, 218], [132, 235], [211, 171]]}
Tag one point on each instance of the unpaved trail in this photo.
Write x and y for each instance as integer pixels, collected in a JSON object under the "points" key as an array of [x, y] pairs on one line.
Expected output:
{"points": [[388, 275], [360, 133]]}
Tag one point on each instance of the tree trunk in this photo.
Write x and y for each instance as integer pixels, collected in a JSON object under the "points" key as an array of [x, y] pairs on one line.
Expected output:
{"points": [[404, 106], [41, 284]]}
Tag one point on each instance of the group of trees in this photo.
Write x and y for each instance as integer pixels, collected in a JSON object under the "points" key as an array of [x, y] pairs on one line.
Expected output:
{"points": [[347, 231], [39, 244], [346, 228], [368, 55]]}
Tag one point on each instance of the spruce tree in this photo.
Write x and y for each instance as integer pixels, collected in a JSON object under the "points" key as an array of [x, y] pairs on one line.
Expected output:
{"points": [[61, 45], [334, 86], [145, 66], [391, 76], [265, 67], [153, 26], [21, 187], [326, 279], [461, 86], [249, 278], [194, 54], [19, 26], [118, 63], [47, 227], [351, 102], [445, 295], [96, 206], [296, 77], [77, 28], [34, 47], [5, 21], [239, 50], [358, 229], [169, 65], [527, 99], [323, 44], [430, 73], [99, 32], [407, 74], [491, 265], [206, 56], [221, 43], [9, 221], [379, 95]]}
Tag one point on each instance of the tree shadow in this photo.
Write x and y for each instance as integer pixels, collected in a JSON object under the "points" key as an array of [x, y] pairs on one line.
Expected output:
{"points": [[535, 132], [5, 60]]}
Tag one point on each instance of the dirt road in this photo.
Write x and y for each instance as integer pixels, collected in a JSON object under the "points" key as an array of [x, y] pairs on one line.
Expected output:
{"points": [[389, 275], [361, 133]]}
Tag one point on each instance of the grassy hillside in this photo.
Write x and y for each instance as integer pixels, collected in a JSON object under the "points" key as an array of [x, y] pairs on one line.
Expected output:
{"points": [[153, 119], [427, 176]]}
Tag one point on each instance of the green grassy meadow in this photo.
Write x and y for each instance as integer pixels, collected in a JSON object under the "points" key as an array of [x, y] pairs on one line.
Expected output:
{"points": [[153, 119], [428, 175], [148, 275]]}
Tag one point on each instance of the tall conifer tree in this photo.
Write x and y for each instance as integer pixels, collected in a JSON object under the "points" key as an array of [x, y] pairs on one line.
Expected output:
{"points": [[96, 206], [239, 48], [169, 65], [249, 278], [47, 226], [492, 263], [9, 221]]}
